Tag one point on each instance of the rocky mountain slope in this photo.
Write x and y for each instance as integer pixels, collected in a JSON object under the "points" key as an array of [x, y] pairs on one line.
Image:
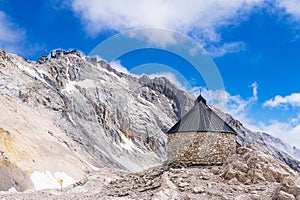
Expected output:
{"points": [[250, 174], [68, 118], [280, 150], [71, 117]]}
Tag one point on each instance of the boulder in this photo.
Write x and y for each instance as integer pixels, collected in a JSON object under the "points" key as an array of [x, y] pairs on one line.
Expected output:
{"points": [[243, 197], [198, 189], [284, 196], [229, 173], [258, 177], [291, 185], [240, 166]]}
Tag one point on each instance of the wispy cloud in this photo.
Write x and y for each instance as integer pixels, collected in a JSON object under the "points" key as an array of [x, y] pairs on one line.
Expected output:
{"points": [[232, 47], [287, 131], [232, 104], [170, 76], [10, 34], [59, 4], [291, 7], [280, 101], [13, 38], [119, 67]]}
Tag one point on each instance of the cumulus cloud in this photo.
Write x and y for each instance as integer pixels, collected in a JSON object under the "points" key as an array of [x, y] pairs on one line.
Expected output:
{"points": [[287, 130], [280, 101], [10, 34], [200, 19]]}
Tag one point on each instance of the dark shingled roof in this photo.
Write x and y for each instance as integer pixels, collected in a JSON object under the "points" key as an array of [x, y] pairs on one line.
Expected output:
{"points": [[201, 119]]}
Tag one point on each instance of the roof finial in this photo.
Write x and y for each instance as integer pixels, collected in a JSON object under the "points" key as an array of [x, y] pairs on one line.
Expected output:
{"points": [[200, 98]]}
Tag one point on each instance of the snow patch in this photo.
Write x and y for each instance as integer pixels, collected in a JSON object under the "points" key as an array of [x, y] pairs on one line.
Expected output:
{"points": [[26, 69], [47, 180], [87, 83], [34, 73], [92, 166], [71, 119], [68, 61], [12, 189], [70, 87], [128, 144]]}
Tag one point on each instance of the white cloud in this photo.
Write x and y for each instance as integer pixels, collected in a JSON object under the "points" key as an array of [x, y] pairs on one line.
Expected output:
{"points": [[280, 101], [13, 38], [232, 104], [117, 66], [286, 131], [232, 47], [170, 76], [59, 4], [254, 90], [10, 34], [159, 37], [235, 105], [198, 18], [291, 7]]}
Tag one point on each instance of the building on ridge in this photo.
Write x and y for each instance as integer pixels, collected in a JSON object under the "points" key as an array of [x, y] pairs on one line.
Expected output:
{"points": [[201, 137]]}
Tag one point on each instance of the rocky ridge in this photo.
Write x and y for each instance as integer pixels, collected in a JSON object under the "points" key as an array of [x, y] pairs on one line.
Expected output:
{"points": [[250, 174]]}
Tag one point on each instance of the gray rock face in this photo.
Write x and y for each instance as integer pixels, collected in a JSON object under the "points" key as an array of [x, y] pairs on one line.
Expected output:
{"points": [[117, 118]]}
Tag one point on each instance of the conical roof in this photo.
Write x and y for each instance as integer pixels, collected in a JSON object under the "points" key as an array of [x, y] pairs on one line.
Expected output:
{"points": [[201, 119]]}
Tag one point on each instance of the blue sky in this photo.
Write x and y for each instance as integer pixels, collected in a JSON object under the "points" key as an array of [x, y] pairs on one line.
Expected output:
{"points": [[255, 45]]}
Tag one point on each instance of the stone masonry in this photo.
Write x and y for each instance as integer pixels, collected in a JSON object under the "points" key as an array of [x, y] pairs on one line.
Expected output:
{"points": [[201, 148]]}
